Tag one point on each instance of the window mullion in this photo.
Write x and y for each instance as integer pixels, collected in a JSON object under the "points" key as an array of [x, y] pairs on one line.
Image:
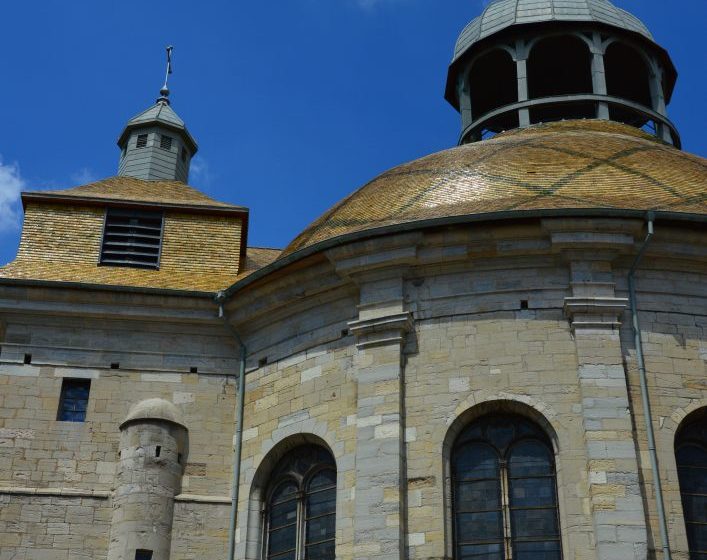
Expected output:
{"points": [[505, 505], [301, 526]]}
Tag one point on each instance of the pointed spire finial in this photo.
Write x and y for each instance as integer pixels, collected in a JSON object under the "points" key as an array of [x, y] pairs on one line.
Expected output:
{"points": [[164, 92]]}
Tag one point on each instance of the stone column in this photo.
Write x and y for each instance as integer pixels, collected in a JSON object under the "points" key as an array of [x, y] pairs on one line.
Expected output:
{"points": [[658, 100], [614, 486], [464, 98], [379, 522], [521, 58], [599, 75], [614, 492]]}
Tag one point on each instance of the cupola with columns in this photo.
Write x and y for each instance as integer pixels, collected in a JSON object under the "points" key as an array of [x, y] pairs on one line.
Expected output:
{"points": [[524, 62]]}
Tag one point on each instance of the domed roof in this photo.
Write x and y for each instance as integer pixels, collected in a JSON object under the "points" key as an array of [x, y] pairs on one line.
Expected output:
{"points": [[567, 167], [154, 409], [501, 14]]}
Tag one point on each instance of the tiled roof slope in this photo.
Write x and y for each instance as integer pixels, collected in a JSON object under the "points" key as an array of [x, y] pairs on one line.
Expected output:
{"points": [[568, 165], [138, 190], [62, 233], [257, 258], [61, 243], [502, 14]]}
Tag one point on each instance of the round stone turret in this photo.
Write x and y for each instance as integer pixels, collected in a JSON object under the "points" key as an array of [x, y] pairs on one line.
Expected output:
{"points": [[153, 450], [524, 62]]}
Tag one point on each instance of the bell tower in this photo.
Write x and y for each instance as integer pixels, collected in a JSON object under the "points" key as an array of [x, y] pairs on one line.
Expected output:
{"points": [[155, 144], [523, 62]]}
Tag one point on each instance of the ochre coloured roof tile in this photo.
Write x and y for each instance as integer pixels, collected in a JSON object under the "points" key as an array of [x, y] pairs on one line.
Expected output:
{"points": [[568, 165], [130, 189]]}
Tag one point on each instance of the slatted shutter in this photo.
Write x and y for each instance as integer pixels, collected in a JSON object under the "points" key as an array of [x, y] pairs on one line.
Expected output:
{"points": [[132, 238]]}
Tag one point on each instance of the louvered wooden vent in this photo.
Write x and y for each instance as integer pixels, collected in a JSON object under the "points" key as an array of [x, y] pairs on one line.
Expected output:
{"points": [[166, 142], [132, 238]]}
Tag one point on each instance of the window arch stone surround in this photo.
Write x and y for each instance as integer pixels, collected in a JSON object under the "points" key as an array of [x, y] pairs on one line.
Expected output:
{"points": [[256, 477], [484, 403]]}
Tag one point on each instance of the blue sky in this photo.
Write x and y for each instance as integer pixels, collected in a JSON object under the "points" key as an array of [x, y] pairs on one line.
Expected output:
{"points": [[294, 103]]}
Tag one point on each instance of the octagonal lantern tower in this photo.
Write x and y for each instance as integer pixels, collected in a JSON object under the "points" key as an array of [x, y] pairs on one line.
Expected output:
{"points": [[523, 62]]}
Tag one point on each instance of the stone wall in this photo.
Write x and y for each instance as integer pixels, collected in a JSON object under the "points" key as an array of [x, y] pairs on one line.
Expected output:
{"points": [[381, 351]]}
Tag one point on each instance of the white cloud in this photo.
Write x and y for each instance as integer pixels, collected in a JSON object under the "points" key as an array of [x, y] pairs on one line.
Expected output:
{"points": [[11, 185], [200, 172], [83, 176]]}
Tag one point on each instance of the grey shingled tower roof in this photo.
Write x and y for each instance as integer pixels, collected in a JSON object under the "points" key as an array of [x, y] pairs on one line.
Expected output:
{"points": [[501, 14], [159, 114]]}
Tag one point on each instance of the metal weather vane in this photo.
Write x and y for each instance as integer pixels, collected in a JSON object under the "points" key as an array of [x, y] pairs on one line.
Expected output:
{"points": [[164, 92]]}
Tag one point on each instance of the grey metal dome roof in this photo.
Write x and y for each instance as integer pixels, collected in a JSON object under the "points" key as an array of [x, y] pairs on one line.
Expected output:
{"points": [[501, 14]]}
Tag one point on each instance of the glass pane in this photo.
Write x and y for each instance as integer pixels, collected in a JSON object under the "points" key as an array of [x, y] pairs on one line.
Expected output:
{"points": [[693, 480], [697, 537], [321, 551], [530, 458], [320, 529], [323, 479], [481, 552], [321, 502], [695, 507], [532, 492], [474, 527], [283, 514], [547, 550], [500, 432], [691, 455], [285, 556], [533, 523], [474, 461], [286, 491], [482, 495], [282, 540]]}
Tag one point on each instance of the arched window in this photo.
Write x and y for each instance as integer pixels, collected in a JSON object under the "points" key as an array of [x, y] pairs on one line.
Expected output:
{"points": [[691, 456], [504, 492], [559, 65], [493, 82], [627, 74], [301, 506]]}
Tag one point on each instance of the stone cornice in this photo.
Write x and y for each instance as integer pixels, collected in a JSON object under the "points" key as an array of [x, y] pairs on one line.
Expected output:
{"points": [[595, 312], [380, 331]]}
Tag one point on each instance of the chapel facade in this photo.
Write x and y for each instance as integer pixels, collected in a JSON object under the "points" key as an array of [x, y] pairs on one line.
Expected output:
{"points": [[495, 352]]}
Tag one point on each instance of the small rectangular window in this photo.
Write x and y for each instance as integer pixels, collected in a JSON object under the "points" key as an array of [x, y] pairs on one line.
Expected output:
{"points": [[74, 400], [183, 153], [141, 140], [142, 554], [166, 142], [132, 238]]}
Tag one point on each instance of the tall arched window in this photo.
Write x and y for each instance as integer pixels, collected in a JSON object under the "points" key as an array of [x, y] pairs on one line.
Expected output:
{"points": [[300, 509], [504, 492], [691, 456]]}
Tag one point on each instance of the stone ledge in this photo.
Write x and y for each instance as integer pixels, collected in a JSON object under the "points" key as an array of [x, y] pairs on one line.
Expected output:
{"points": [[378, 331], [55, 492], [199, 499], [595, 312]]}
